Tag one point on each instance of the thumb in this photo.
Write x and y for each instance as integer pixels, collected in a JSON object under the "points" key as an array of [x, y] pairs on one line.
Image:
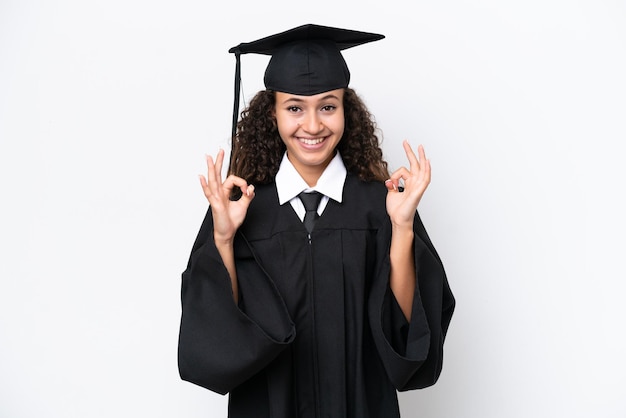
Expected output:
{"points": [[247, 195]]}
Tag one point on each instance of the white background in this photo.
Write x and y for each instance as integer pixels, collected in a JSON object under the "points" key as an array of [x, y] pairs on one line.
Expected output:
{"points": [[108, 107]]}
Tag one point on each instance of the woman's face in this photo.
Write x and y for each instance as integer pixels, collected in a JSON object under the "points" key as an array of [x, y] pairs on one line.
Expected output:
{"points": [[311, 127]]}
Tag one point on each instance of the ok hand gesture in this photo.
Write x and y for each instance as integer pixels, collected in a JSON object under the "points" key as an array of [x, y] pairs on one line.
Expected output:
{"points": [[401, 205], [228, 215]]}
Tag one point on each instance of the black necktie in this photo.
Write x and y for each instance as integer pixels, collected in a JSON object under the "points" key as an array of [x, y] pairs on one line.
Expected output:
{"points": [[310, 201]]}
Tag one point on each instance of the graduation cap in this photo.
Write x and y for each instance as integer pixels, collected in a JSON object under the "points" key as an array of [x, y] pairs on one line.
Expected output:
{"points": [[305, 60]]}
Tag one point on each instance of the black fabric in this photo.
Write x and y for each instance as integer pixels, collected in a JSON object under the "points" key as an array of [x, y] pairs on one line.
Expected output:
{"points": [[342, 38], [317, 332], [310, 201], [305, 60]]}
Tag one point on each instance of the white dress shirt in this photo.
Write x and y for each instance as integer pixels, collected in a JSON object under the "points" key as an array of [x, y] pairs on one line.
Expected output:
{"points": [[290, 184]]}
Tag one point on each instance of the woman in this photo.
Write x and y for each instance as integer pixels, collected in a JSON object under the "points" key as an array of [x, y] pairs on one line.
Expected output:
{"points": [[300, 320]]}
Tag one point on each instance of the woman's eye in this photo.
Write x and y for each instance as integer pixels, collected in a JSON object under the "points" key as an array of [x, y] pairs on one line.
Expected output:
{"points": [[293, 109], [328, 108]]}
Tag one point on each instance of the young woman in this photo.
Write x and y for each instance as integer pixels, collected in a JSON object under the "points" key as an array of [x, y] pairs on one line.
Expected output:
{"points": [[322, 320]]}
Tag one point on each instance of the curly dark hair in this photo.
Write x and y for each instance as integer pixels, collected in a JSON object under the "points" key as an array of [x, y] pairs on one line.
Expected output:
{"points": [[258, 150]]}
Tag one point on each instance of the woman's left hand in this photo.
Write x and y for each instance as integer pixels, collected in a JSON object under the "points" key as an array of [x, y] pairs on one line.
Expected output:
{"points": [[401, 205]]}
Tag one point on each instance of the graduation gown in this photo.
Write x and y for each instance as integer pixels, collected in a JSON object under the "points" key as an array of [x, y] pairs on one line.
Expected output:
{"points": [[317, 331]]}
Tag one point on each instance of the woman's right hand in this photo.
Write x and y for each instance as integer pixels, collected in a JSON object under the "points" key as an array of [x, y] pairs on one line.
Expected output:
{"points": [[228, 215]]}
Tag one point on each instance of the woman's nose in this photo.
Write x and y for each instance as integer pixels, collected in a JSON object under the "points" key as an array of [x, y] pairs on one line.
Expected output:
{"points": [[312, 124]]}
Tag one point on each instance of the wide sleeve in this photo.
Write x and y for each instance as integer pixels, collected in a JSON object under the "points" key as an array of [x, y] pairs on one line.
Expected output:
{"points": [[412, 353], [222, 344]]}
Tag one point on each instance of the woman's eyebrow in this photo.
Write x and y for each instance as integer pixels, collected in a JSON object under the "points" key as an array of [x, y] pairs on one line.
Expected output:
{"points": [[301, 100]]}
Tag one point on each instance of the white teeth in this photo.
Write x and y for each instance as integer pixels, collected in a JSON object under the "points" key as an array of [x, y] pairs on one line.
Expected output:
{"points": [[311, 141]]}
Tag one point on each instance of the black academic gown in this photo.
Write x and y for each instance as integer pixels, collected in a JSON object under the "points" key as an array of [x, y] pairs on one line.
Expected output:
{"points": [[317, 332]]}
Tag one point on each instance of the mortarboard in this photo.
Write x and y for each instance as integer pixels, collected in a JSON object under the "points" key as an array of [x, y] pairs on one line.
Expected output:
{"points": [[305, 60]]}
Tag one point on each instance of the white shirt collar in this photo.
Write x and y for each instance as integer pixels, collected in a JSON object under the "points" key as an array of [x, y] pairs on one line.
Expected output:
{"points": [[289, 184]]}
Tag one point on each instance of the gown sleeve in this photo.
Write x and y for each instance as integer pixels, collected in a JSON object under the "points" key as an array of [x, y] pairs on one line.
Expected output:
{"points": [[222, 344], [411, 353]]}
